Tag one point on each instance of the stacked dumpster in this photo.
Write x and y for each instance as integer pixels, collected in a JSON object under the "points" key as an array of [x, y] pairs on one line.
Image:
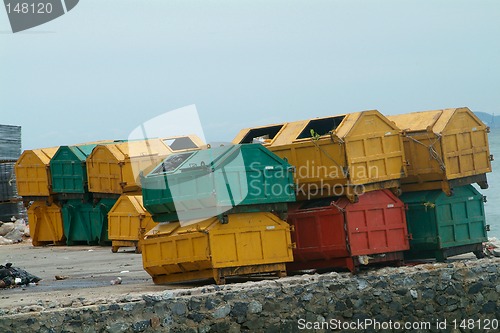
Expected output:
{"points": [[113, 174], [348, 169], [447, 151], [71, 189], [340, 155], [221, 214], [10, 150]]}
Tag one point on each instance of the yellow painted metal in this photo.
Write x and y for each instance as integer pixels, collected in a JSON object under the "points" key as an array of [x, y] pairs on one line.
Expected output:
{"points": [[114, 168], [249, 242], [128, 221], [33, 172], [46, 224], [443, 145], [362, 148]]}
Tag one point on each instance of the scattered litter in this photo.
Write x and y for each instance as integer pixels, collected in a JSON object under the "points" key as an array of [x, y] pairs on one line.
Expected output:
{"points": [[91, 250], [118, 280], [124, 272], [13, 232], [492, 247], [5, 241], [6, 227], [11, 276], [15, 235], [61, 277]]}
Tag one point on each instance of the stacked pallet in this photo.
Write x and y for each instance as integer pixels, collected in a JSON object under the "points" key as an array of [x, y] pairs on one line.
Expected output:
{"points": [[10, 150]]}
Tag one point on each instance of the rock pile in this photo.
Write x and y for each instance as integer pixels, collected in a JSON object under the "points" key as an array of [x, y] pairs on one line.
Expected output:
{"points": [[13, 232]]}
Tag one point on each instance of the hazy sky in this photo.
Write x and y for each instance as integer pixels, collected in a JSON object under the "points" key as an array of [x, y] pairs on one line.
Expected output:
{"points": [[107, 66]]}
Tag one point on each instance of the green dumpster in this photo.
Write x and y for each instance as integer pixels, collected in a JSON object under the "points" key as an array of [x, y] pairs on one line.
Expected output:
{"points": [[441, 226], [69, 173], [207, 183], [86, 221]]}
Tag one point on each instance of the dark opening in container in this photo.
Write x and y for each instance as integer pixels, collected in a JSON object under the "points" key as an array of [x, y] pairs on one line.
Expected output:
{"points": [[264, 133], [171, 163], [180, 143], [321, 126]]}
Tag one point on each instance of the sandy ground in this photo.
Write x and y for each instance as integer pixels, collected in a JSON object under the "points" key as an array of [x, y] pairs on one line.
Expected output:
{"points": [[89, 269]]}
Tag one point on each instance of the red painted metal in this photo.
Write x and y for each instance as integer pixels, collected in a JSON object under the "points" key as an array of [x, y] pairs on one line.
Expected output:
{"points": [[334, 233]]}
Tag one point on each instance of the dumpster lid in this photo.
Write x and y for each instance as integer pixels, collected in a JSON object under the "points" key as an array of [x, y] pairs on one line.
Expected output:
{"points": [[168, 228], [263, 134], [183, 142], [437, 196], [43, 154], [136, 148], [80, 152], [215, 158], [339, 125], [379, 198], [134, 200], [433, 120], [196, 159]]}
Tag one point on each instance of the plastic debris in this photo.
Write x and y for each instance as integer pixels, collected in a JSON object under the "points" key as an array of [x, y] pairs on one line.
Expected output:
{"points": [[12, 276], [118, 280], [491, 248]]}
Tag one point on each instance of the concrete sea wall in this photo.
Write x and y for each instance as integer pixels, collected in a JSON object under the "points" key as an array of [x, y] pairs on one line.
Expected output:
{"points": [[462, 296]]}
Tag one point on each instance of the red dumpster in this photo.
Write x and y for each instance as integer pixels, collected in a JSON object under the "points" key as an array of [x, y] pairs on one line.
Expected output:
{"points": [[333, 233]]}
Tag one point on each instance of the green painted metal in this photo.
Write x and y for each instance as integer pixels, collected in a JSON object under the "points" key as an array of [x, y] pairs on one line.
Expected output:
{"points": [[68, 169], [209, 182], [437, 222], [86, 221]]}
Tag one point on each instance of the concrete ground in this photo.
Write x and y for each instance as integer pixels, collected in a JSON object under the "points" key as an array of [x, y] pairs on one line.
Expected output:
{"points": [[89, 271]]}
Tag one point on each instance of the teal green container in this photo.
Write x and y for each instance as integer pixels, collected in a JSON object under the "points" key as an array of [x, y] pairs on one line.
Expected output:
{"points": [[206, 183], [441, 226], [86, 222], [68, 169]]}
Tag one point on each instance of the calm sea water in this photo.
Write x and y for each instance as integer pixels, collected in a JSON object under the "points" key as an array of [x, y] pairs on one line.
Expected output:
{"points": [[492, 207]]}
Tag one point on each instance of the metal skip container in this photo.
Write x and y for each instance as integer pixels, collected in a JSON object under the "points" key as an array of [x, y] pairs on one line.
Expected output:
{"points": [[68, 169], [86, 221], [444, 148], [33, 173], [128, 221], [443, 226], [335, 233], [114, 168], [46, 224], [339, 155], [218, 181], [249, 243]]}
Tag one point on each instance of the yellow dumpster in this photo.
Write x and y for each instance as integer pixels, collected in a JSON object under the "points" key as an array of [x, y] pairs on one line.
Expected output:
{"points": [[114, 168], [339, 155], [445, 149], [33, 172], [46, 224], [128, 221], [250, 243]]}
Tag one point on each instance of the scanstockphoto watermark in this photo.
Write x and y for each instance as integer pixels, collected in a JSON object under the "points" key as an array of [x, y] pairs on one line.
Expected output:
{"points": [[362, 325], [389, 325], [26, 14]]}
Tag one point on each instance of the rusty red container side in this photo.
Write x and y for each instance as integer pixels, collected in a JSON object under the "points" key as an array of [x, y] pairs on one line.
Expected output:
{"points": [[376, 224]]}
